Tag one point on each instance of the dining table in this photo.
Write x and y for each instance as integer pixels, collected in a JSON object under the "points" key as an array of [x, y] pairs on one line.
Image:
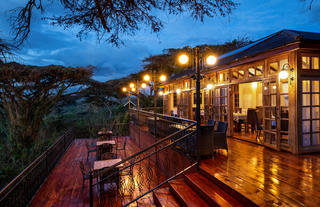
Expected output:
{"points": [[104, 146]]}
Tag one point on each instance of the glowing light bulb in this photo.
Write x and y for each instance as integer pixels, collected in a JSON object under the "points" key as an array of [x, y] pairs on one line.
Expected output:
{"points": [[163, 78], [283, 74], [209, 86], [143, 85], [211, 60], [183, 59], [178, 90], [146, 77]]}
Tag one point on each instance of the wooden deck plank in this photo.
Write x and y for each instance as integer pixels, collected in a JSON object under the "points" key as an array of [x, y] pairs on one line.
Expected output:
{"points": [[268, 177]]}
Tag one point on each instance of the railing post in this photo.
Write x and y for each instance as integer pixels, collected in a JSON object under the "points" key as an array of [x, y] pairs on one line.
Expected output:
{"points": [[155, 124], [90, 190]]}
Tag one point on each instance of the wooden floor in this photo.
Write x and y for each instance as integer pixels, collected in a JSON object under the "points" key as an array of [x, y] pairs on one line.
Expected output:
{"points": [[268, 177], [64, 187]]}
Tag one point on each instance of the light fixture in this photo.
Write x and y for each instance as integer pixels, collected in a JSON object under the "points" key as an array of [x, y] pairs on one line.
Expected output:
{"points": [[133, 89], [283, 74], [209, 86], [124, 89], [178, 90], [254, 84], [146, 77], [274, 87], [160, 93], [183, 59], [131, 85], [211, 60], [163, 78], [143, 85]]}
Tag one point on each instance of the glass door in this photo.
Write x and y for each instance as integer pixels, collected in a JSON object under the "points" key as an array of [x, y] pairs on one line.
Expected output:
{"points": [[270, 118], [221, 104]]}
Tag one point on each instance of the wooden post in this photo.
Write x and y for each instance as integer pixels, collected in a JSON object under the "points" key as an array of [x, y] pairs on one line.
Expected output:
{"points": [[90, 190]]}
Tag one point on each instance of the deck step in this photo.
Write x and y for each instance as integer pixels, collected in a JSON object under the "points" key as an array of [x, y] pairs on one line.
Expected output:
{"points": [[164, 198], [210, 192], [185, 195], [209, 174]]}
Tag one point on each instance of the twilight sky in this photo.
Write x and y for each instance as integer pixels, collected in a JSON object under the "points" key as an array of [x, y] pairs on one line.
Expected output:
{"points": [[253, 18]]}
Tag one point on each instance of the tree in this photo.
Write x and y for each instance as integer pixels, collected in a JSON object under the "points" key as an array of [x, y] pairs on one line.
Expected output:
{"points": [[110, 19], [28, 93], [6, 50]]}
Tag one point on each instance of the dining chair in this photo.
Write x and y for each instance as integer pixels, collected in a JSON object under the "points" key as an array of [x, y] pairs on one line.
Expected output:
{"points": [[85, 175], [121, 147], [220, 136], [89, 149]]}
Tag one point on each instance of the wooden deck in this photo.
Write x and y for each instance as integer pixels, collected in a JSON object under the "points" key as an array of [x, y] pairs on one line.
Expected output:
{"points": [[268, 177], [64, 187]]}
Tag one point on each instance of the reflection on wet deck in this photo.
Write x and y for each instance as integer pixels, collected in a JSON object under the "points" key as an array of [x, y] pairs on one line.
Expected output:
{"points": [[268, 177]]}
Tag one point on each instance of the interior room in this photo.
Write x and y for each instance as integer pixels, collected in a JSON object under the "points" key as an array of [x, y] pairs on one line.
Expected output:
{"points": [[247, 111]]}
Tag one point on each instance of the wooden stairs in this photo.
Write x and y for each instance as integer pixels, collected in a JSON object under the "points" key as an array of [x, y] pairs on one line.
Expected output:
{"points": [[198, 187]]}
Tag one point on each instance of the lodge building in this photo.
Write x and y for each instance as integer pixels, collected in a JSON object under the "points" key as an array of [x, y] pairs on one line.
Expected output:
{"points": [[247, 89]]}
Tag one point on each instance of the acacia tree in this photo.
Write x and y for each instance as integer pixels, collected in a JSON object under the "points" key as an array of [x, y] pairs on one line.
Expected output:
{"points": [[28, 93], [109, 19]]}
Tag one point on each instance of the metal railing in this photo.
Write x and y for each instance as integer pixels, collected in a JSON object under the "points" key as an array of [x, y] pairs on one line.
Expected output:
{"points": [[139, 174], [22, 188]]}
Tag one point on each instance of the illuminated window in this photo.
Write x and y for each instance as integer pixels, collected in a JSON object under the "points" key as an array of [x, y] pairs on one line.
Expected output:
{"points": [[273, 67], [310, 112], [310, 63]]}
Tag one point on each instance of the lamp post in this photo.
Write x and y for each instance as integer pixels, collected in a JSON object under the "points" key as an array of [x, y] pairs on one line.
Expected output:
{"points": [[153, 79], [197, 59]]}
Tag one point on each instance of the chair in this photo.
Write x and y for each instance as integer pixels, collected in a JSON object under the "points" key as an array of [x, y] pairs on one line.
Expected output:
{"points": [[90, 149], [211, 122], [251, 119], [85, 176], [123, 147], [220, 136]]}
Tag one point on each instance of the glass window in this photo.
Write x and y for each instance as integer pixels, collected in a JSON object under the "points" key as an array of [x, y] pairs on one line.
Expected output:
{"points": [[235, 75], [175, 99], [306, 140], [306, 113], [305, 99], [305, 62], [241, 74], [306, 126], [284, 100], [306, 86], [315, 63], [251, 72], [259, 70], [316, 126], [315, 99], [316, 138], [315, 86], [315, 112], [273, 67]]}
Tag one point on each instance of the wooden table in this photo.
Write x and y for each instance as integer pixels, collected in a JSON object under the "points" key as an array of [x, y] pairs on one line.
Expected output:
{"points": [[104, 146], [107, 134], [112, 142], [102, 164]]}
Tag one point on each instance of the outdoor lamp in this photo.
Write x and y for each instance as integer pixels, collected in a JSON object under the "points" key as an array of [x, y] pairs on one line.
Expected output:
{"points": [[163, 78], [131, 85], [209, 86], [143, 85], [146, 77], [178, 91], [133, 89], [160, 93], [211, 60], [124, 89], [183, 59], [283, 74]]}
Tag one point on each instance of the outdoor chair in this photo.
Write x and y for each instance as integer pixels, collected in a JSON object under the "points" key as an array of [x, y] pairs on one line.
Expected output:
{"points": [[220, 136], [205, 141], [89, 150], [85, 175], [211, 122], [121, 147], [251, 119]]}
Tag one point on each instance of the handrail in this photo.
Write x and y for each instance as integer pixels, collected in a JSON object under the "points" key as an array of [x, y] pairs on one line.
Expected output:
{"points": [[41, 160], [162, 183], [167, 116], [149, 155], [146, 149]]}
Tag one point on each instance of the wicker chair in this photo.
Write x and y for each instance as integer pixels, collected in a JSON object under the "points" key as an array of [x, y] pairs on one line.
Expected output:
{"points": [[85, 175], [220, 136], [89, 149]]}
